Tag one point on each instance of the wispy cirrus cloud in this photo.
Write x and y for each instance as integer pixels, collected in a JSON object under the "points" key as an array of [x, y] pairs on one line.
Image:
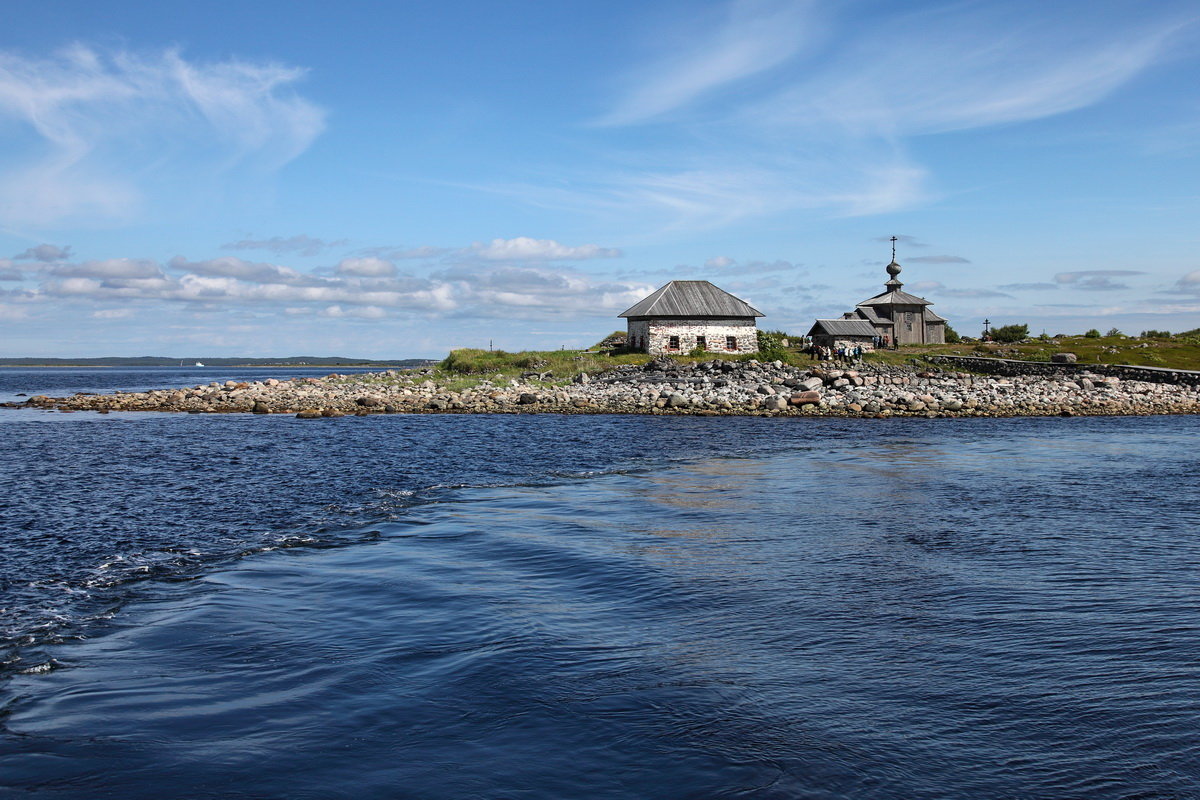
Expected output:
{"points": [[1095, 280], [832, 130], [301, 245], [749, 37], [73, 112], [938, 260], [1027, 287]]}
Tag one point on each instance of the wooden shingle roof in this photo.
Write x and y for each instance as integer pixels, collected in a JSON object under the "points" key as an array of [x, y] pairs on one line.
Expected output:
{"points": [[897, 297], [691, 299], [843, 327]]}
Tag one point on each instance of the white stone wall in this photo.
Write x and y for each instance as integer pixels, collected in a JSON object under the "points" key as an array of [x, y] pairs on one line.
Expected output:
{"points": [[654, 336]]}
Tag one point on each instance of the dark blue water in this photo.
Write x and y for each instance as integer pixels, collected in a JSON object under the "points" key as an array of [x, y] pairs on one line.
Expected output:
{"points": [[541, 606]]}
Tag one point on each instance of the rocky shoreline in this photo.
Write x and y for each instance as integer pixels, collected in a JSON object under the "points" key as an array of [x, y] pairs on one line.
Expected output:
{"points": [[664, 386]]}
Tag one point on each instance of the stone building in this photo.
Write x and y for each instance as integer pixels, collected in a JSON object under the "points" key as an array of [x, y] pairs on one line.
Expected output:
{"points": [[834, 333], [689, 315], [898, 317]]}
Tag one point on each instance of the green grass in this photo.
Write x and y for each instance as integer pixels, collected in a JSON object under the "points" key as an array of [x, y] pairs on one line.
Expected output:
{"points": [[566, 364], [1181, 351]]}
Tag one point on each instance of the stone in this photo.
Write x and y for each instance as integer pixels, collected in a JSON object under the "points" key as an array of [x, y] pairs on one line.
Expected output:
{"points": [[260, 407], [809, 384], [527, 399], [775, 403], [368, 401], [309, 413], [677, 401], [802, 398], [331, 413], [1064, 358]]}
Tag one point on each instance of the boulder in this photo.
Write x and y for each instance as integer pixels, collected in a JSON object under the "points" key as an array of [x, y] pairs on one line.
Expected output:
{"points": [[775, 403], [809, 384], [677, 401], [1064, 358], [368, 401], [527, 399], [804, 398], [309, 413]]}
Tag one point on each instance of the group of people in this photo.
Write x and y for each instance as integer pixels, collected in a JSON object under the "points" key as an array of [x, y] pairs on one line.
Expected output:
{"points": [[841, 352]]}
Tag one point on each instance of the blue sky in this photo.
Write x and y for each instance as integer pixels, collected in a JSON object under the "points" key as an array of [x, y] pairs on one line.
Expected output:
{"points": [[394, 180]]}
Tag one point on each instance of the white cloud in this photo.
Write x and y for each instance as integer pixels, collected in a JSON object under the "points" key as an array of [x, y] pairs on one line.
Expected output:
{"points": [[1096, 280], [465, 289], [251, 271], [110, 268], [45, 253], [113, 313], [523, 248], [719, 262], [365, 312], [83, 105], [1189, 282], [368, 267]]}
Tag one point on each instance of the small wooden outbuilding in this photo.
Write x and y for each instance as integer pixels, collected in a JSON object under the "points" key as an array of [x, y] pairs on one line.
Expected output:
{"points": [[834, 333]]}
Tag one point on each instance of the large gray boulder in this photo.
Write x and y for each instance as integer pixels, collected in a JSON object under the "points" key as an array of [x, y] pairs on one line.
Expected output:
{"points": [[1064, 358]]}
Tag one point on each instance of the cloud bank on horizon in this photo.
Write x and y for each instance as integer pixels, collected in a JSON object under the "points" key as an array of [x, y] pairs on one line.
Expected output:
{"points": [[728, 140]]}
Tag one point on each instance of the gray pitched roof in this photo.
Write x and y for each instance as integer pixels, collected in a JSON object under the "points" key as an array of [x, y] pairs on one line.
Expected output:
{"points": [[691, 299], [870, 315], [897, 297], [843, 327]]}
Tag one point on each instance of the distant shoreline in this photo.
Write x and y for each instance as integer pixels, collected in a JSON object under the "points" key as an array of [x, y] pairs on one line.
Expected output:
{"points": [[375, 365]]}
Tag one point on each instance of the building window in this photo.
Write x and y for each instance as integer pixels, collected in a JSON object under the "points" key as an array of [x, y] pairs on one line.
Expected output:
{"points": [[672, 342], [731, 343], [702, 342]]}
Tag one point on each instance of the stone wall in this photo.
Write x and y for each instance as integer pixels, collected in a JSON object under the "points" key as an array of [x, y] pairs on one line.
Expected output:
{"points": [[1012, 367], [867, 343], [654, 336]]}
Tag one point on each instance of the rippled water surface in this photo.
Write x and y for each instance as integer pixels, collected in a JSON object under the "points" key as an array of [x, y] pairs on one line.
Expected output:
{"points": [[542, 606]]}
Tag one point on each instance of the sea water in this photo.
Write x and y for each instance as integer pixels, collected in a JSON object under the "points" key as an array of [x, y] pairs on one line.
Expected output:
{"points": [[544, 606]]}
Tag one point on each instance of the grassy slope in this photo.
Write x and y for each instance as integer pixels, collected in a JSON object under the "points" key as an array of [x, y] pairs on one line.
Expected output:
{"points": [[466, 368], [1178, 352]]}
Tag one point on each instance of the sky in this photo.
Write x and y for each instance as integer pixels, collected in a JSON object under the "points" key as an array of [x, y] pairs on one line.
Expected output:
{"points": [[394, 180]]}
